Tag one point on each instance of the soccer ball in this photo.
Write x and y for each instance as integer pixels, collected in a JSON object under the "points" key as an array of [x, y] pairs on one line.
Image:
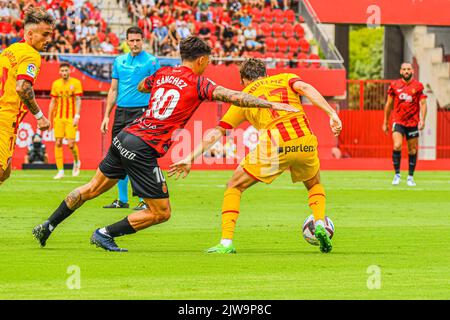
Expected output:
{"points": [[308, 229]]}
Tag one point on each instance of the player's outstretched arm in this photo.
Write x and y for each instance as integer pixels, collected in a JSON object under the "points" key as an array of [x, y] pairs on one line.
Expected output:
{"points": [[25, 91], [144, 86], [387, 113], [184, 166], [246, 100], [318, 100]]}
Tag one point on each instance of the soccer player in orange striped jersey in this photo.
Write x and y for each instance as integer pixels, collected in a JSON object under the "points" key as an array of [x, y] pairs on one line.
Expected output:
{"points": [[64, 110], [286, 142], [19, 68]]}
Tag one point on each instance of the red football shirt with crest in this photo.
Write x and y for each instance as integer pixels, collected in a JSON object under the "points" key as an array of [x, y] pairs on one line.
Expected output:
{"points": [[176, 92], [407, 98]]}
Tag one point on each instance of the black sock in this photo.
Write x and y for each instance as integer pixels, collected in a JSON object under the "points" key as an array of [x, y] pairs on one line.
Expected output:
{"points": [[120, 228], [60, 214], [412, 163], [396, 158]]}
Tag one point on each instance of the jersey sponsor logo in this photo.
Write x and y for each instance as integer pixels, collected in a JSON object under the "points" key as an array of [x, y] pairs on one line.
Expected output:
{"points": [[31, 70], [299, 148], [123, 152], [25, 133], [406, 97]]}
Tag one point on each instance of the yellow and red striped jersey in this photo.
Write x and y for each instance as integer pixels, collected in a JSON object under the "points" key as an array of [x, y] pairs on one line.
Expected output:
{"points": [[65, 91], [18, 61], [277, 88]]}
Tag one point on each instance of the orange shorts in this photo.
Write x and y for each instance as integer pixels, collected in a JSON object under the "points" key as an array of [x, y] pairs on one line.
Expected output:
{"points": [[267, 161]]}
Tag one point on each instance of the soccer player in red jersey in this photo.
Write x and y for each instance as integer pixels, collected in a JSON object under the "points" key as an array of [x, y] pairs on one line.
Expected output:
{"points": [[406, 97], [176, 92]]}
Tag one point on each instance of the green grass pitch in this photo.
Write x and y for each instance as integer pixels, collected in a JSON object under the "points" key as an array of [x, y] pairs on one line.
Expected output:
{"points": [[403, 231]]}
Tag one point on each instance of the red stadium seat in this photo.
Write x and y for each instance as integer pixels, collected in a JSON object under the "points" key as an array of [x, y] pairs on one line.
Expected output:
{"points": [[278, 15], [299, 31], [304, 45], [315, 65], [277, 30], [282, 45], [290, 15], [302, 64], [280, 55], [271, 44], [257, 54], [114, 39], [268, 14], [266, 29], [288, 30], [293, 45], [256, 15]]}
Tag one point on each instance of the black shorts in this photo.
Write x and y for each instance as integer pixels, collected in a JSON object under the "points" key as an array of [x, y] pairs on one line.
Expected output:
{"points": [[129, 155], [125, 116], [409, 132]]}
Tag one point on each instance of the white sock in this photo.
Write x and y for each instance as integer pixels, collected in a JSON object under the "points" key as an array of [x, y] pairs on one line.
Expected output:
{"points": [[226, 242], [103, 231], [319, 222], [61, 171]]}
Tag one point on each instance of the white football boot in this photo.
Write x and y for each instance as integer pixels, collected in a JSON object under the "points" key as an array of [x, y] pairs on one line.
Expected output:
{"points": [[59, 175], [396, 180], [76, 168], [410, 182]]}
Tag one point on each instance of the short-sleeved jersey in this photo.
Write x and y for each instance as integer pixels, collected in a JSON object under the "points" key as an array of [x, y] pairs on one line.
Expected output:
{"points": [[64, 93], [407, 97], [277, 88], [18, 61], [176, 92], [129, 70]]}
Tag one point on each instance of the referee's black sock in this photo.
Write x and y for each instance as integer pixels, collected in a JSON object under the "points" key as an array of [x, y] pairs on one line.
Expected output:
{"points": [[396, 158], [120, 228], [60, 214], [412, 163]]}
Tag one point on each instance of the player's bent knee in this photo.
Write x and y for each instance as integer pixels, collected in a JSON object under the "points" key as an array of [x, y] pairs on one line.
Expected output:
{"points": [[58, 143], [163, 213]]}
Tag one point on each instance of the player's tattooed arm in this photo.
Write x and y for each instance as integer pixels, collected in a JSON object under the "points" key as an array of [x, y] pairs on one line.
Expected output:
{"points": [[74, 200], [25, 91], [245, 100], [145, 85]]}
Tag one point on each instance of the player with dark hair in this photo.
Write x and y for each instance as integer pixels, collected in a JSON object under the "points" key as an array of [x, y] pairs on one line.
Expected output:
{"points": [[286, 142], [64, 111], [406, 97], [176, 92], [128, 70], [19, 68]]}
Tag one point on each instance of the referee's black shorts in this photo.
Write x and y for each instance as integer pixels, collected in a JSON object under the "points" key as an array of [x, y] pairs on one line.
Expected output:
{"points": [[125, 116]]}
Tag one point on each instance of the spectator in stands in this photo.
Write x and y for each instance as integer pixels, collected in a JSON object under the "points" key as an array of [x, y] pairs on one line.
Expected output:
{"points": [[245, 19], [63, 45], [203, 13], [183, 30], [204, 32], [92, 29], [95, 46], [106, 46], [250, 39], [4, 10], [14, 12], [81, 29], [229, 50], [5, 32]]}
